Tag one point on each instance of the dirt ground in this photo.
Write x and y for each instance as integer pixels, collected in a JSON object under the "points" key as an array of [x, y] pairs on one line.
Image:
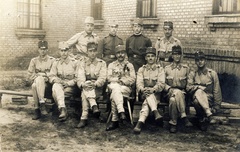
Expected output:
{"points": [[18, 132]]}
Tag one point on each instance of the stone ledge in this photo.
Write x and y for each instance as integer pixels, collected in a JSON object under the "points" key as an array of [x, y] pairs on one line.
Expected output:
{"points": [[27, 33]]}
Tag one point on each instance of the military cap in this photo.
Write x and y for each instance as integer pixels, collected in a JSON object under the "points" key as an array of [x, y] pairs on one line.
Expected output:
{"points": [[43, 44], [113, 23], [63, 45], [91, 46], [120, 48], [176, 49], [199, 55], [89, 20], [151, 50], [137, 21], [168, 24]]}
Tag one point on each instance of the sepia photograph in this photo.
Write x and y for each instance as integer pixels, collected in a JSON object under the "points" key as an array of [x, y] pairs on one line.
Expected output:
{"points": [[119, 75]]}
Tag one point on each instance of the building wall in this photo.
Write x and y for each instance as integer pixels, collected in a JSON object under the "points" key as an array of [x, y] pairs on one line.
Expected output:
{"points": [[62, 19]]}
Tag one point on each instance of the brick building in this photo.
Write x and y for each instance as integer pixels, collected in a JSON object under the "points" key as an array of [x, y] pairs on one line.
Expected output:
{"points": [[210, 25]]}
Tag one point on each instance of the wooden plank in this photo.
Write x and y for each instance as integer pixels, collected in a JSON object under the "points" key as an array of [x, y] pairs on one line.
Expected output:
{"points": [[225, 105], [234, 119], [15, 93]]}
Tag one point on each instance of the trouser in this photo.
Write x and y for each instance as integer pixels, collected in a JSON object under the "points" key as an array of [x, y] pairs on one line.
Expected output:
{"points": [[177, 106], [201, 103], [88, 101], [117, 93], [59, 92], [39, 87], [149, 105]]}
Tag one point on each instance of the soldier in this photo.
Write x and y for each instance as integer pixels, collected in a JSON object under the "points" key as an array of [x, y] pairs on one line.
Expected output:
{"points": [[136, 45], [63, 77], [121, 76], [150, 82], [38, 71], [106, 46], [164, 45], [91, 78], [82, 39], [204, 86], [176, 81]]}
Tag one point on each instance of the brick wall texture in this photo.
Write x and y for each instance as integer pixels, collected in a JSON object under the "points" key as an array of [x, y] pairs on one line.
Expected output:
{"points": [[62, 19]]}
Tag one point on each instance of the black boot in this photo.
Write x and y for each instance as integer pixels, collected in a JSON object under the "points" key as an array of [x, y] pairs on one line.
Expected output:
{"points": [[82, 123], [158, 118], [43, 109], [37, 114], [112, 125], [173, 128], [96, 111], [63, 114], [138, 127], [187, 123], [123, 116]]}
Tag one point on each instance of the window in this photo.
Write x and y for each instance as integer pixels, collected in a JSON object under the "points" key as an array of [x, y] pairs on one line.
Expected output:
{"points": [[226, 7], [29, 14], [147, 8], [97, 9]]}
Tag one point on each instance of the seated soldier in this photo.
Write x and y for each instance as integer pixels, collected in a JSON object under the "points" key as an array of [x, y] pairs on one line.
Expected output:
{"points": [[63, 77], [203, 85], [150, 82], [176, 81], [92, 75], [121, 76], [38, 71]]}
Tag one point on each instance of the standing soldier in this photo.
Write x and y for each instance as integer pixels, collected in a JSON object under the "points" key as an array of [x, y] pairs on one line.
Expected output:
{"points": [[82, 39], [150, 82], [176, 81], [38, 71], [204, 86], [63, 77], [91, 78], [106, 47], [164, 45], [136, 45], [121, 76]]}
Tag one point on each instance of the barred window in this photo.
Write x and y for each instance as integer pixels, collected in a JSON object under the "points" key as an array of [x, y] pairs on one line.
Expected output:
{"points": [[97, 9], [226, 7], [147, 8], [29, 14]]}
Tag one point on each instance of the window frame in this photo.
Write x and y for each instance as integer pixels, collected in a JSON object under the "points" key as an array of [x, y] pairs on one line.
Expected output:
{"points": [[94, 7], [139, 12], [216, 4]]}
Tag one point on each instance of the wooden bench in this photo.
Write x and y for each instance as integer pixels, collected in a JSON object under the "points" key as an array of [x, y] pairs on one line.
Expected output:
{"points": [[25, 94]]}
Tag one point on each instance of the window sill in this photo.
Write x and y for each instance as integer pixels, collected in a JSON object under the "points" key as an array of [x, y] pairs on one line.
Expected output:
{"points": [[98, 24], [223, 21], [26, 33]]}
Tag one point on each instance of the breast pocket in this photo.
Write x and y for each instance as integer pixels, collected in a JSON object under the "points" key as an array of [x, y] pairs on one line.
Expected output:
{"points": [[169, 80], [183, 82]]}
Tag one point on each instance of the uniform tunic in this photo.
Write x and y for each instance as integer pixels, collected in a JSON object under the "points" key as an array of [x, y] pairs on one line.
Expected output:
{"points": [[152, 77], [164, 49], [64, 71], [117, 72], [81, 40], [211, 96], [106, 48], [136, 48], [38, 72], [176, 79], [96, 72]]}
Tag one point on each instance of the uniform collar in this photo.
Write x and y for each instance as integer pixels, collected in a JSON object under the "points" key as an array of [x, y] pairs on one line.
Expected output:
{"points": [[94, 62], [43, 59], [67, 60], [151, 67], [112, 35], [176, 66], [121, 63], [171, 39], [85, 34], [203, 71], [137, 34]]}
